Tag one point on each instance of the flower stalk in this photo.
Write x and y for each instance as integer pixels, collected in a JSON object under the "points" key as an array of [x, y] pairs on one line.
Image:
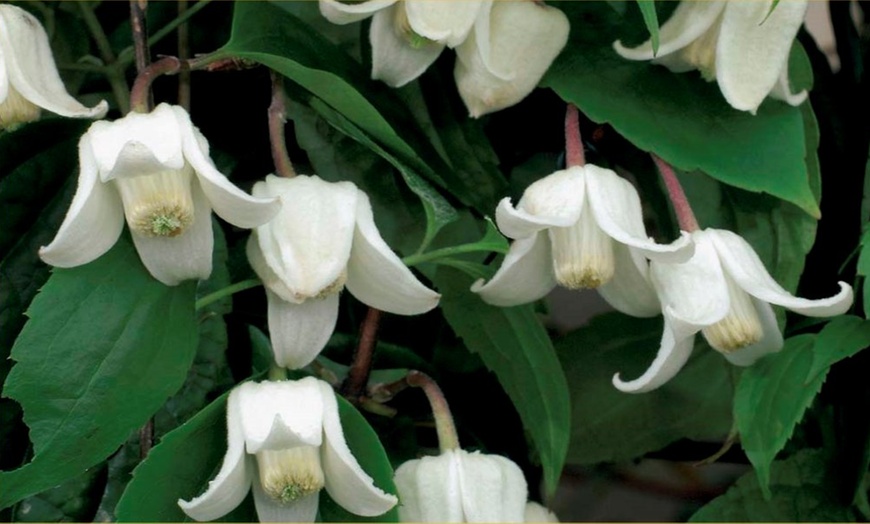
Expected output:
{"points": [[685, 215], [277, 119], [139, 25], [574, 155], [360, 368], [447, 437], [140, 95]]}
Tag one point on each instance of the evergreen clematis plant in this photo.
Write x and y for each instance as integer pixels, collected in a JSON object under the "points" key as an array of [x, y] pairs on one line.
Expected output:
{"points": [[742, 45], [29, 80]]}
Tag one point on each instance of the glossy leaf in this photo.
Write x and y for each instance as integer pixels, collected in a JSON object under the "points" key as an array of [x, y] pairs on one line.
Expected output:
{"points": [[841, 338]]}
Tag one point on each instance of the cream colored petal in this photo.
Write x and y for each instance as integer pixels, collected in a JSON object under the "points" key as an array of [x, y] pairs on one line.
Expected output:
{"points": [[630, 290], [339, 12], [752, 52], [299, 332], [430, 490], [525, 275], [782, 90], [280, 415], [31, 69], [555, 200], [445, 21], [538, 513], [395, 60], [270, 279], [493, 488], [689, 21], [771, 339], [268, 509]]}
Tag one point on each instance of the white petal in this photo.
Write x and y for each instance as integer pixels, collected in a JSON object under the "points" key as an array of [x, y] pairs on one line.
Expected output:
{"points": [[617, 210], [771, 339], [445, 22], [538, 513], [269, 510], [30, 65], [394, 59], [744, 266], [499, 67], [281, 415], [172, 260], [229, 202], [429, 489], [688, 22], [782, 90], [346, 482], [299, 332], [308, 243], [377, 277], [553, 201], [630, 290], [493, 488], [678, 340], [339, 12], [525, 275], [752, 52], [93, 222], [230, 487], [270, 279]]}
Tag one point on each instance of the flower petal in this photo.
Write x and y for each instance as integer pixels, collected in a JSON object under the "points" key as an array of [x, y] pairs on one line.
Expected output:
{"points": [[688, 22], [93, 222], [346, 482], [270, 279], [280, 415], [538, 513], [553, 201], [269, 510], [752, 52], [742, 263], [30, 65], [172, 260], [395, 59], [630, 290], [230, 487], [299, 332], [525, 275], [229, 202], [678, 340], [379, 278], [308, 243], [493, 488], [617, 210], [339, 12], [782, 90], [429, 489], [445, 22], [771, 339]]}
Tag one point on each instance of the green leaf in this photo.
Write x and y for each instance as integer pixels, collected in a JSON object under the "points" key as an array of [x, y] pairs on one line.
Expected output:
{"points": [[608, 425], [492, 241], [675, 115], [841, 338], [73, 501], [105, 346], [801, 493], [770, 400], [513, 344], [651, 19], [864, 265]]}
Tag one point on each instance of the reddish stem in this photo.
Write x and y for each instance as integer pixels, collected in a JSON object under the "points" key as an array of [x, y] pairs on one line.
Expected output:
{"points": [[685, 215], [447, 437], [574, 155], [141, 92], [277, 119], [360, 368]]}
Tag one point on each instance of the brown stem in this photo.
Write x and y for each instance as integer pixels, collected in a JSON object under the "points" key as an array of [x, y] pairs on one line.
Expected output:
{"points": [[146, 438], [447, 437], [685, 215], [277, 119], [574, 155], [183, 55], [140, 94], [138, 22], [358, 375]]}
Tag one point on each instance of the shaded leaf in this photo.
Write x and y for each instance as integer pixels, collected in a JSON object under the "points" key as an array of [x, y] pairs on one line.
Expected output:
{"points": [[841, 338], [651, 20]]}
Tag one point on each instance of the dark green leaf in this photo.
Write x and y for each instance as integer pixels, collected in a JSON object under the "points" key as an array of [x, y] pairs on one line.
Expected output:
{"points": [[651, 19], [72, 501], [770, 400], [608, 425], [841, 338], [864, 266], [513, 344], [84, 389]]}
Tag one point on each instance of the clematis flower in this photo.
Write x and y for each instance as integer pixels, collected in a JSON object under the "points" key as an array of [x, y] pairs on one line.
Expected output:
{"points": [[724, 292], [580, 228], [510, 49], [285, 441], [407, 36], [458, 486], [28, 75], [154, 169], [538, 513], [736, 43], [324, 238]]}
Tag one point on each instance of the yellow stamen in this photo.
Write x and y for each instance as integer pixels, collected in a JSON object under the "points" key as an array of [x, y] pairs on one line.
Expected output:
{"points": [[741, 327], [582, 253], [158, 204], [290, 474]]}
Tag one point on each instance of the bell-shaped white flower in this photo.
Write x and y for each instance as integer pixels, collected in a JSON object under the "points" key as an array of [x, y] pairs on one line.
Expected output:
{"points": [[407, 35], [581, 227], [325, 238], [736, 43], [510, 49], [724, 292], [538, 513], [154, 169], [285, 440], [29, 80], [458, 486]]}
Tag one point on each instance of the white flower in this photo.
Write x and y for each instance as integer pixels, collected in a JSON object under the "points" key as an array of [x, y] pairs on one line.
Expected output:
{"points": [[733, 43], [538, 513], [510, 49], [285, 440], [324, 238], [28, 76], [154, 169], [581, 228], [458, 486], [408, 35], [724, 292]]}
